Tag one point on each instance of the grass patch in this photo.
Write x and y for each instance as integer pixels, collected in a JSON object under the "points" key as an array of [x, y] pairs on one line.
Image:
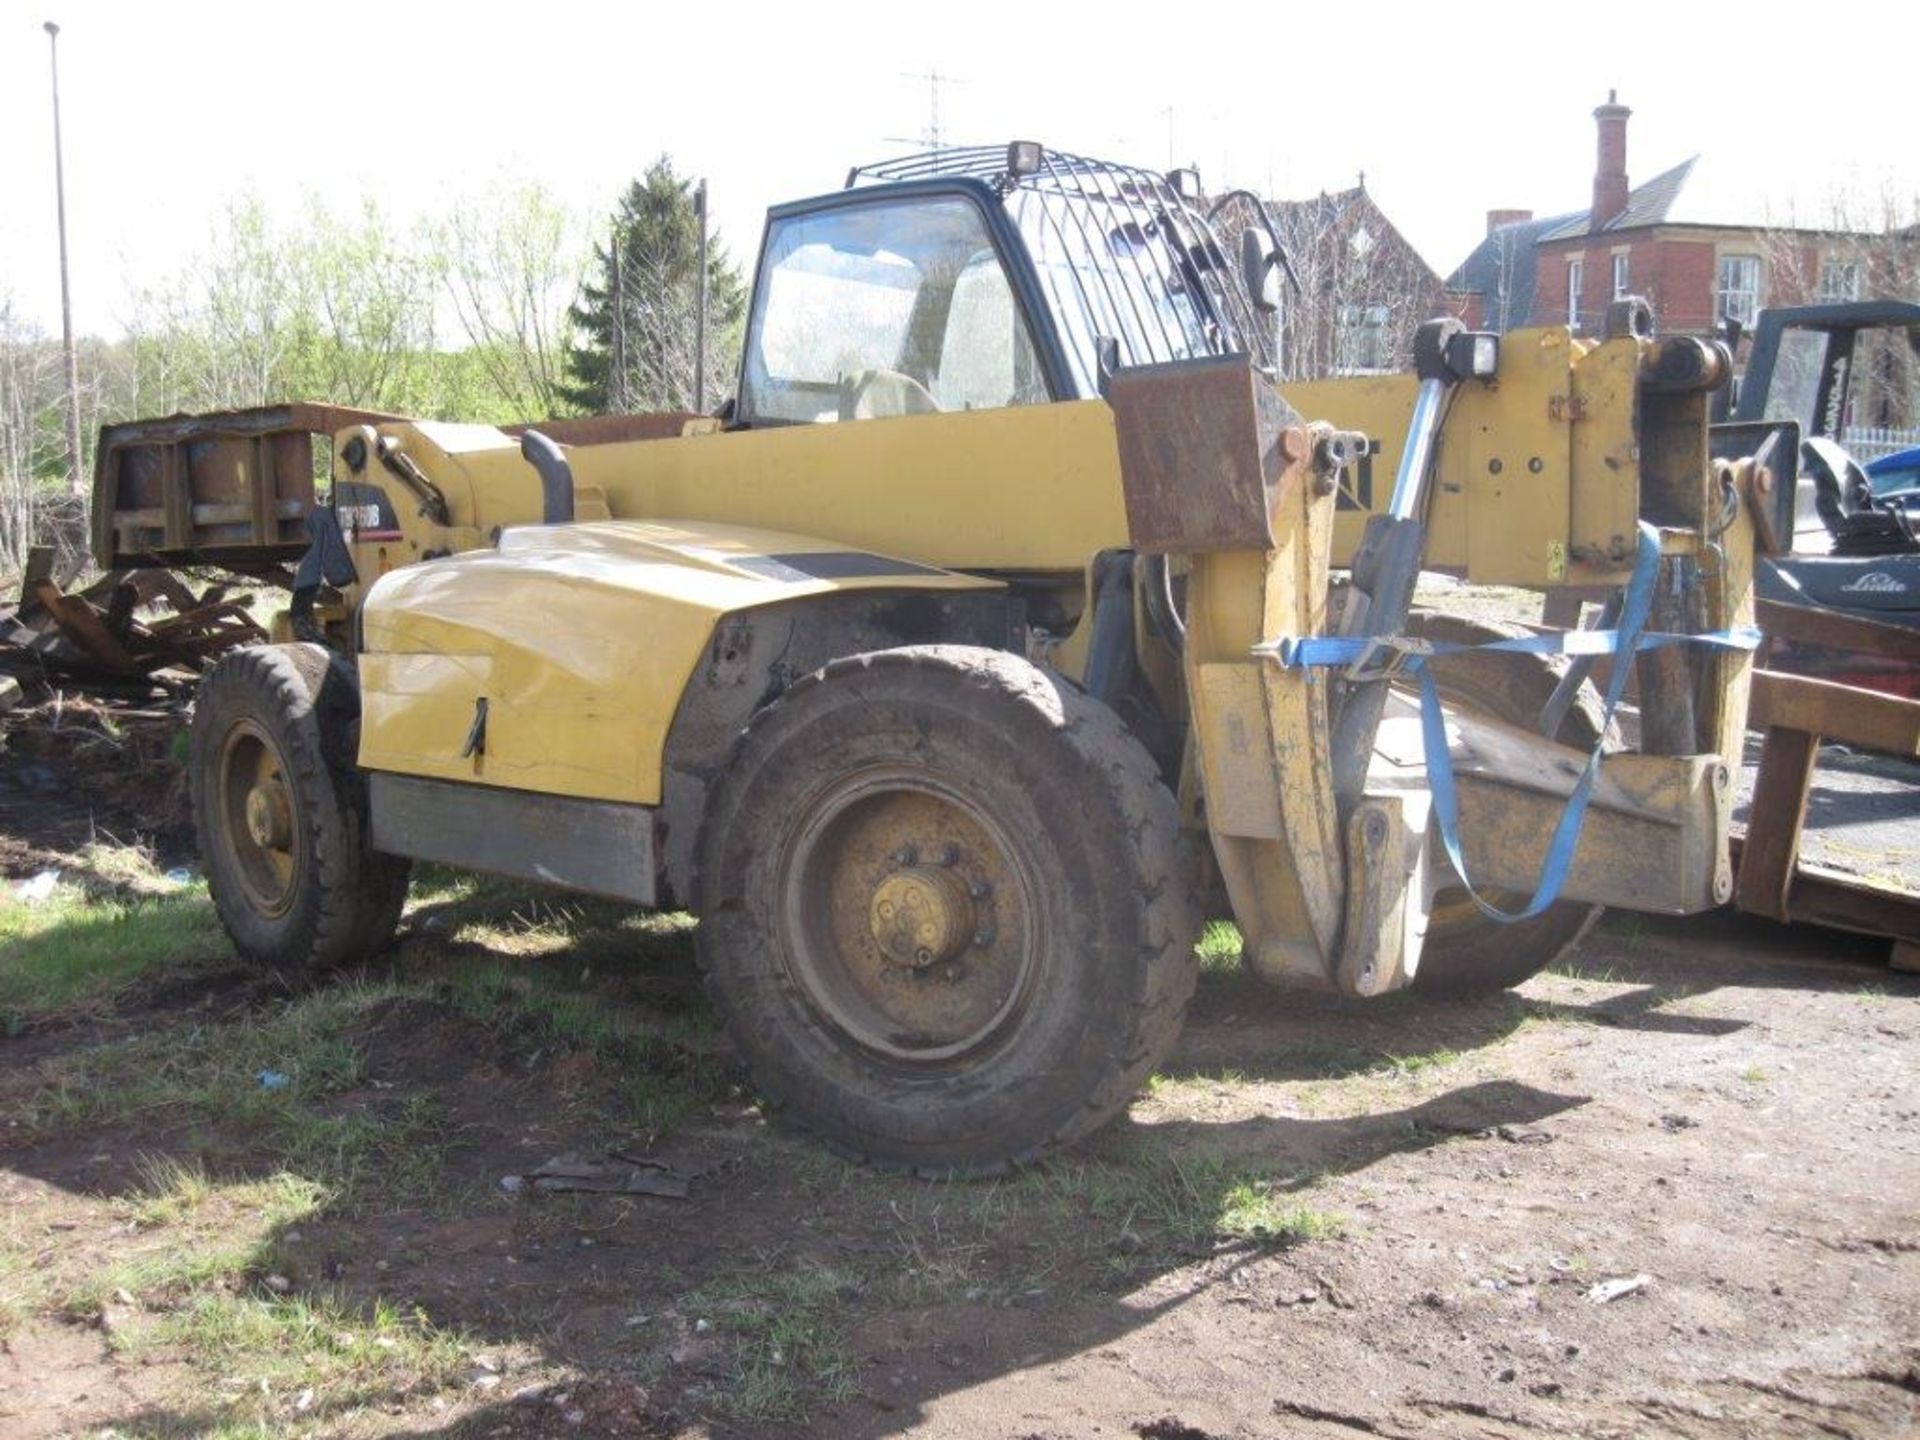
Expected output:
{"points": [[534, 925], [395, 1150], [71, 949], [1191, 1200], [23, 1287], [276, 1357], [1576, 966], [1414, 1064], [1173, 1088], [208, 1232], [787, 1338], [1250, 1210], [661, 1066], [1219, 948], [211, 1076], [169, 1191], [162, 1277], [535, 1001], [653, 1105]]}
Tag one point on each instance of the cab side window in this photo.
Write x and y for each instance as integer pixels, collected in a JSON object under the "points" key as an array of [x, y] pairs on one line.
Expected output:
{"points": [[886, 309]]}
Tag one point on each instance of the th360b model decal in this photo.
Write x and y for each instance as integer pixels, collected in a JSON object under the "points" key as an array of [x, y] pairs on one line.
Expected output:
{"points": [[365, 513]]}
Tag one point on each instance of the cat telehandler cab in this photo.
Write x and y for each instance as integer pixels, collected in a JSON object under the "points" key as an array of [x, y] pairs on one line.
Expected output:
{"points": [[984, 645]]}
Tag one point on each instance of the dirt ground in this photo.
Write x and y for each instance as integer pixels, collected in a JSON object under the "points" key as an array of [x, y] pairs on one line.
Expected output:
{"points": [[1320, 1220]]}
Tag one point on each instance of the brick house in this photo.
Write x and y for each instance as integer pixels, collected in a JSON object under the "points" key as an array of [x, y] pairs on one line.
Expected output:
{"points": [[1363, 288], [1701, 256]]}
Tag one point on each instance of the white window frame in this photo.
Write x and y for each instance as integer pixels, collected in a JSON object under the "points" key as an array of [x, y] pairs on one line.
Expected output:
{"points": [[1733, 300], [1576, 282], [1832, 268], [1620, 272], [1363, 348]]}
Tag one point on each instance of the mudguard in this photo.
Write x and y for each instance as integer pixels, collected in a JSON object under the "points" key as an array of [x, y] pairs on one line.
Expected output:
{"points": [[555, 661]]}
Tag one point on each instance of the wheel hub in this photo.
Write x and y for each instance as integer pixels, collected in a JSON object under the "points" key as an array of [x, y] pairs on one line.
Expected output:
{"points": [[269, 815], [908, 920], [921, 915], [257, 826]]}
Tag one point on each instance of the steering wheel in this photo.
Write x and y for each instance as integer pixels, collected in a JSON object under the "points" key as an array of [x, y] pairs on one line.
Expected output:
{"points": [[877, 394]]}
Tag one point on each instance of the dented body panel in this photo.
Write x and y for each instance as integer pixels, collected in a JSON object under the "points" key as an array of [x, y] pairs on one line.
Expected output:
{"points": [[580, 639]]}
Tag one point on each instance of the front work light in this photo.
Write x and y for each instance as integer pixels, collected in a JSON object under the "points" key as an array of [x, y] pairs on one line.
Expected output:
{"points": [[1024, 157], [1473, 354]]}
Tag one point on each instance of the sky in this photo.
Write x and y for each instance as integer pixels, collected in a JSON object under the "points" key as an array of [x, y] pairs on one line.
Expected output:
{"points": [[172, 110]]}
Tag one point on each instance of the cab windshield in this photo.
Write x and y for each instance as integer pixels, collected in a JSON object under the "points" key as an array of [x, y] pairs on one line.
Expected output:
{"points": [[886, 309]]}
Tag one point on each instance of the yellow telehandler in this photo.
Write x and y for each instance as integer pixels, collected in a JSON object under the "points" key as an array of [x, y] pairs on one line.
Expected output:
{"points": [[986, 642]]}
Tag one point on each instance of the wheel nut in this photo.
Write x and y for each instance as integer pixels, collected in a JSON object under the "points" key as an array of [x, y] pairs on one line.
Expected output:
{"points": [[905, 855], [947, 855], [978, 890], [983, 937]]}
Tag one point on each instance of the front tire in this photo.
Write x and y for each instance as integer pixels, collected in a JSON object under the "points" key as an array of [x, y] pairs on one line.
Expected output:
{"points": [[281, 812], [946, 909]]}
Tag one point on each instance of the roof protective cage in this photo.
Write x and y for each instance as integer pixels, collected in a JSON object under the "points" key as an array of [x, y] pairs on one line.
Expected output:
{"points": [[1118, 253]]}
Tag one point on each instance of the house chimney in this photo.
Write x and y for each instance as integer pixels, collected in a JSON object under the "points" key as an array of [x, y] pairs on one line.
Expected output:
{"points": [[1610, 169], [1497, 218]]}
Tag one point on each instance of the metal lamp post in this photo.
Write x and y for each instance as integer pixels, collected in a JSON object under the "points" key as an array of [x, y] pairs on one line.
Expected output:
{"points": [[77, 481]]}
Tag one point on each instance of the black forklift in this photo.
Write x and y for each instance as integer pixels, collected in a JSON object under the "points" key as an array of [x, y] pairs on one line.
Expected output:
{"points": [[1809, 370]]}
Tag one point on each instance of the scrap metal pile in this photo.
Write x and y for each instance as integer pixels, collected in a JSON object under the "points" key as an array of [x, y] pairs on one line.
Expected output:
{"points": [[141, 627]]}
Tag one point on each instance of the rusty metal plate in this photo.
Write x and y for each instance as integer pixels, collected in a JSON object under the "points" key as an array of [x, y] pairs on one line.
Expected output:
{"points": [[1203, 454], [1775, 446], [233, 487]]}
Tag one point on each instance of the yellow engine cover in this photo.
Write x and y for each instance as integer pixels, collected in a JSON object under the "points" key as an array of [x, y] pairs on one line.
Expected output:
{"points": [[579, 640]]}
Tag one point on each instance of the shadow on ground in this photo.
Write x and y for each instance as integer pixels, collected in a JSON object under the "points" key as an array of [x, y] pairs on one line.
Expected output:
{"points": [[787, 1284]]}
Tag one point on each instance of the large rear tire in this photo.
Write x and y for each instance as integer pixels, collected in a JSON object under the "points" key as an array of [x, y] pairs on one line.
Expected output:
{"points": [[946, 909], [1466, 953], [281, 812]]}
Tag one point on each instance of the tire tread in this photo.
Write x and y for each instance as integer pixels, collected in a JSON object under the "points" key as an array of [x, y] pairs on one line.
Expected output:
{"points": [[1101, 752]]}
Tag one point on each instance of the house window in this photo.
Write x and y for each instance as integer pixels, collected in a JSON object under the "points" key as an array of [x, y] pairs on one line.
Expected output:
{"points": [[1363, 338], [1738, 295], [1619, 277], [1576, 273], [1839, 280]]}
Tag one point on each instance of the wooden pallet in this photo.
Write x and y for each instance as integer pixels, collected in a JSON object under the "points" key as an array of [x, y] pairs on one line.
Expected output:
{"points": [[1794, 714]]}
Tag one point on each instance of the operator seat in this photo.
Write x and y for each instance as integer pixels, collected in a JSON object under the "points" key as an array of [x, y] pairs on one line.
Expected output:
{"points": [[1844, 500], [883, 394]]}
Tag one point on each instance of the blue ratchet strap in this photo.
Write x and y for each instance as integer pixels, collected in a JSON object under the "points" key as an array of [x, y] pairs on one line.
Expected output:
{"points": [[1628, 639]]}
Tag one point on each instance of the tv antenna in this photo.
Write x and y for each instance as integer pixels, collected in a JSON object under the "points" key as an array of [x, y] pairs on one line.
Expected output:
{"points": [[935, 137]]}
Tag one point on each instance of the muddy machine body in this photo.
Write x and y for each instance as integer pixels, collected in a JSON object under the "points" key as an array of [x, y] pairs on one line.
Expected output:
{"points": [[1010, 621]]}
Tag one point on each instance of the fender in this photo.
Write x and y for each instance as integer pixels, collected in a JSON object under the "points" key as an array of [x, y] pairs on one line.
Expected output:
{"points": [[555, 663]]}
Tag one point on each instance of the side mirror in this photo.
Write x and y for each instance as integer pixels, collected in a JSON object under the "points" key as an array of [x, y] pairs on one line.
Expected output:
{"points": [[1260, 270]]}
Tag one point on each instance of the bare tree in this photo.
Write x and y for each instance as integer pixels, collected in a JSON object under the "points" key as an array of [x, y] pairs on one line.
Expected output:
{"points": [[322, 309], [1362, 289], [510, 264], [30, 394], [1856, 247]]}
